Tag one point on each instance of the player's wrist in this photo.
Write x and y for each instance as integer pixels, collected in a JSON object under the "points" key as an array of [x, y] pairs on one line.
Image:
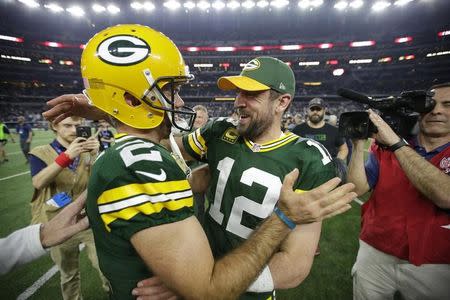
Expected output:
{"points": [[284, 218]]}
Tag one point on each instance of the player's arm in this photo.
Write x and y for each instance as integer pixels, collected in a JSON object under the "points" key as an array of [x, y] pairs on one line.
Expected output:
{"points": [[72, 105], [180, 255], [356, 171], [197, 276], [292, 263]]}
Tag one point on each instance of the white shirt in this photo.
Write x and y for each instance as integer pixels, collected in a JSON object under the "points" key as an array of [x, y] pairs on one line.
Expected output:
{"points": [[20, 247]]}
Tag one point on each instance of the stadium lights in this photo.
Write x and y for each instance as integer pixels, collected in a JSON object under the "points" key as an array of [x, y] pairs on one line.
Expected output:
{"points": [[98, 8], [66, 62], [45, 61], [225, 49], [136, 5], [218, 5], [332, 62], [75, 11], [385, 59], [172, 4], [30, 3], [380, 5], [189, 5], [113, 9], [279, 3], [290, 47], [325, 46], [53, 7], [362, 44], [355, 4], [248, 4], [11, 38], [192, 49], [233, 4], [309, 63], [338, 72], [53, 44], [304, 4], [438, 53], [147, 5], [407, 57], [313, 83], [402, 2], [203, 65], [360, 61], [21, 58], [262, 3], [443, 33], [405, 39], [257, 48], [341, 5], [203, 5]]}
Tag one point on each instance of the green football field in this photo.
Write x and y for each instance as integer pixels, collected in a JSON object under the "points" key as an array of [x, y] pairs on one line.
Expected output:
{"points": [[329, 278]]}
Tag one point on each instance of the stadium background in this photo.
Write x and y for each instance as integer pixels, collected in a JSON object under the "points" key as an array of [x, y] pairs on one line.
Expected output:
{"points": [[329, 45]]}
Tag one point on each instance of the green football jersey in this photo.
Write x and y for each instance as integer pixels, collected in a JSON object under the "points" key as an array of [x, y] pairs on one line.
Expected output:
{"points": [[134, 185], [246, 179]]}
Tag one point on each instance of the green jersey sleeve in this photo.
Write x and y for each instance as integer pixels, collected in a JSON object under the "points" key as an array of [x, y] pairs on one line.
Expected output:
{"points": [[147, 189], [316, 167], [196, 143]]}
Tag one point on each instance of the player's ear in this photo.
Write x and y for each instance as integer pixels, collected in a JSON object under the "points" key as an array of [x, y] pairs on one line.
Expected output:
{"points": [[283, 102]]}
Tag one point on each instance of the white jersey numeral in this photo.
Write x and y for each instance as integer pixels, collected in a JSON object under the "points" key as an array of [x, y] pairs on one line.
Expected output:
{"points": [[241, 203], [130, 158]]}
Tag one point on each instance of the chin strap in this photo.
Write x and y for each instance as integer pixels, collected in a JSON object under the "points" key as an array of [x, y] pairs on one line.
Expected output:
{"points": [[176, 153]]}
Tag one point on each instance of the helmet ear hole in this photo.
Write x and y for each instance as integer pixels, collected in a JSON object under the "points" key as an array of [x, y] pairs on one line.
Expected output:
{"points": [[131, 100]]}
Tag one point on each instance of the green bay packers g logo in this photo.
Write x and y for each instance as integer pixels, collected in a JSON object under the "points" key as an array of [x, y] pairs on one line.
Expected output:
{"points": [[123, 50], [252, 65]]}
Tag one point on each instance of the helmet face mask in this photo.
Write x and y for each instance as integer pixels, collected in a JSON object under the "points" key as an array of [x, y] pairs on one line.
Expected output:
{"points": [[132, 61], [166, 95]]}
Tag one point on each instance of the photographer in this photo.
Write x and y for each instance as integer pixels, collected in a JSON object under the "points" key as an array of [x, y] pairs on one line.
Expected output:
{"points": [[60, 172], [405, 236]]}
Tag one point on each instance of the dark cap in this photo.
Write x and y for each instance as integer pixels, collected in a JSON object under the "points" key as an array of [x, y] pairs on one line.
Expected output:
{"points": [[316, 102]]}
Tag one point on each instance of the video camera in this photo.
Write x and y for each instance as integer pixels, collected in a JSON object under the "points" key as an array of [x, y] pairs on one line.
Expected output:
{"points": [[399, 112]]}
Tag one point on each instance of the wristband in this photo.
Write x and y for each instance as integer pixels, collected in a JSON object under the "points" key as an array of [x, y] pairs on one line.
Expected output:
{"points": [[284, 218], [398, 145], [63, 160]]}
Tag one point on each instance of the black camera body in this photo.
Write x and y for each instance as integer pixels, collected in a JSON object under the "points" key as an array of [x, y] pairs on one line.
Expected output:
{"points": [[84, 131], [399, 112]]}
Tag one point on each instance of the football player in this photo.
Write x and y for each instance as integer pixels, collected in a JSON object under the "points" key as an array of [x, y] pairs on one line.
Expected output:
{"points": [[139, 200]]}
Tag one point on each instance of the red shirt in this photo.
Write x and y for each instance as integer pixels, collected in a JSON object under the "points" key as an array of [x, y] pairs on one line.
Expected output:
{"points": [[402, 222]]}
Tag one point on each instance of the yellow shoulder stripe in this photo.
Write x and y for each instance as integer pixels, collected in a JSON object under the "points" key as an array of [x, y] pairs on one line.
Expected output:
{"points": [[151, 188], [146, 208]]}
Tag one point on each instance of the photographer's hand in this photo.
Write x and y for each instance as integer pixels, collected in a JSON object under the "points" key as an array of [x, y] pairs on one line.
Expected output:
{"points": [[385, 135], [76, 148]]}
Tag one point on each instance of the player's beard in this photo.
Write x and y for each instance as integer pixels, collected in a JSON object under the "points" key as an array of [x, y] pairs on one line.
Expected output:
{"points": [[257, 125]]}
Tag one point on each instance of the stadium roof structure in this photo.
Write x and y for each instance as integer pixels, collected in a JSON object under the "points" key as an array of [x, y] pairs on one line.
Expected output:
{"points": [[223, 20]]}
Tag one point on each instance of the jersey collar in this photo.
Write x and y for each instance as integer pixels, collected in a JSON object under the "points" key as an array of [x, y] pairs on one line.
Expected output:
{"points": [[271, 145]]}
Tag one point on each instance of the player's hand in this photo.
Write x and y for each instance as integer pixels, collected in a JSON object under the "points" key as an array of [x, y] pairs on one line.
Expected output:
{"points": [[76, 148], [153, 289], [65, 224], [385, 134], [322, 202], [71, 105]]}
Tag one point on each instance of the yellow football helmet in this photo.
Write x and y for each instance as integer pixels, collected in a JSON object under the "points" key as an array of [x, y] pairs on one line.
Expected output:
{"points": [[140, 61]]}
